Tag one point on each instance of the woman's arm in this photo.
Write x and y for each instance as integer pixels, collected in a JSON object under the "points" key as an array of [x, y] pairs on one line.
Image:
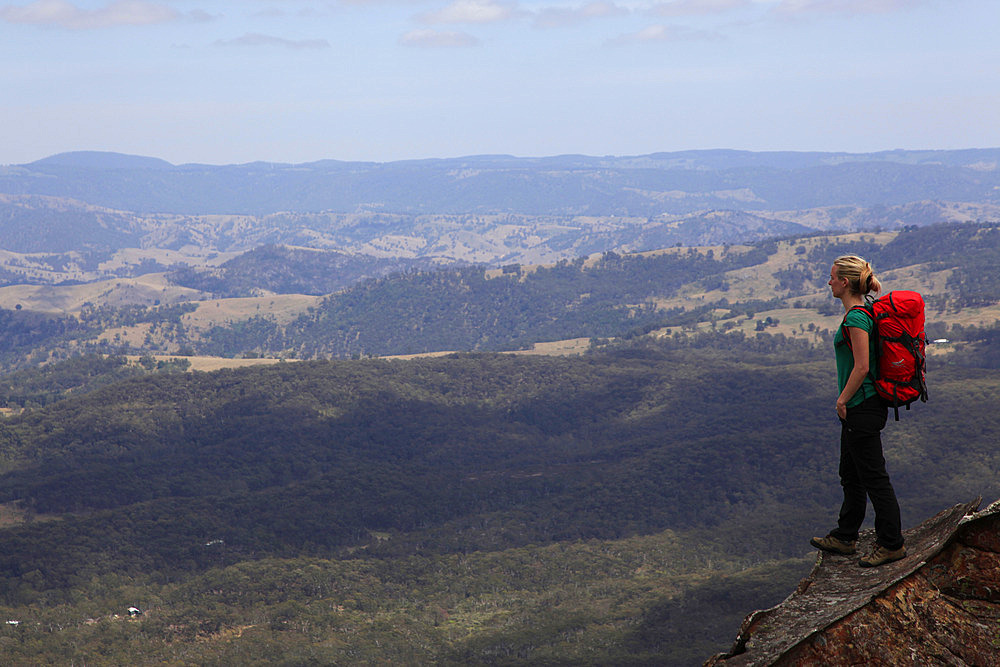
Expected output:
{"points": [[859, 346]]}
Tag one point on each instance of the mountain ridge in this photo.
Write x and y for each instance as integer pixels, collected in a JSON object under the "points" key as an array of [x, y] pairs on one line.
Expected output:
{"points": [[560, 185], [90, 236], [691, 159]]}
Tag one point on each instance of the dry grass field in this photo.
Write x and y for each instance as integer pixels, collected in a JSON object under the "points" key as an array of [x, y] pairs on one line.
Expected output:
{"points": [[558, 348], [146, 290], [282, 307], [218, 363], [51, 269]]}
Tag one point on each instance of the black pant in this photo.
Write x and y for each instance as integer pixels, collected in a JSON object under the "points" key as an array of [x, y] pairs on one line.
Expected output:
{"points": [[862, 473]]}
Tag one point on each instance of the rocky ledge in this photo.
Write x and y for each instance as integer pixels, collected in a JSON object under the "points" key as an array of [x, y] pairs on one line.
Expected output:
{"points": [[940, 605]]}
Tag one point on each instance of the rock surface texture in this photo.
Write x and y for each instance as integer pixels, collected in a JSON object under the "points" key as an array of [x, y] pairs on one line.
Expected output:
{"points": [[938, 606]]}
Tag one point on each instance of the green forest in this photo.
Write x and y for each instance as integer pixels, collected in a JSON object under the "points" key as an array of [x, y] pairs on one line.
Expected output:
{"points": [[284, 270], [628, 506]]}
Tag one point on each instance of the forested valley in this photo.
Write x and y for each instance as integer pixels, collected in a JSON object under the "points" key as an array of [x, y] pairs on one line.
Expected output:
{"points": [[626, 506]]}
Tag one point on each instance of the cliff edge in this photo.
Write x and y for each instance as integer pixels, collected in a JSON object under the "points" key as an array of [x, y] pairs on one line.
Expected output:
{"points": [[939, 605]]}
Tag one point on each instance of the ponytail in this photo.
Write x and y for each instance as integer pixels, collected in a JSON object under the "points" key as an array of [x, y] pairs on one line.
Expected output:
{"points": [[859, 274]]}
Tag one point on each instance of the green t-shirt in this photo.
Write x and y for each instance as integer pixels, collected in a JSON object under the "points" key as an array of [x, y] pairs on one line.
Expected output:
{"points": [[845, 357]]}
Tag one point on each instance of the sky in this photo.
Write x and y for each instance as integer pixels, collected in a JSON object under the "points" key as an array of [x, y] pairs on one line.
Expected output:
{"points": [[222, 82]]}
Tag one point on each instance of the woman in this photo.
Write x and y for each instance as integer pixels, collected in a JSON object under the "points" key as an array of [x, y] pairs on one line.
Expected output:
{"points": [[862, 417]]}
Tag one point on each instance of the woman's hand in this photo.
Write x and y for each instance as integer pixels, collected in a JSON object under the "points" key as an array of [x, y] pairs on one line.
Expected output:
{"points": [[841, 409]]}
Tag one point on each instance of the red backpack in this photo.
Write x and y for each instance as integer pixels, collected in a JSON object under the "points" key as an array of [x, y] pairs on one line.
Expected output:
{"points": [[899, 371]]}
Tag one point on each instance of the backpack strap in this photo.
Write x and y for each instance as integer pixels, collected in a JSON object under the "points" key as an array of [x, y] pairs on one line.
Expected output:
{"points": [[869, 310]]}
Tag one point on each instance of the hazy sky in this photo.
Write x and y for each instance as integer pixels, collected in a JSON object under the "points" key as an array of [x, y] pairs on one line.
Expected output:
{"points": [[223, 82]]}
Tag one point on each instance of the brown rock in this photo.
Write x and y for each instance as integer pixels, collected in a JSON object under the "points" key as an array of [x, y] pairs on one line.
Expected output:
{"points": [[938, 606]]}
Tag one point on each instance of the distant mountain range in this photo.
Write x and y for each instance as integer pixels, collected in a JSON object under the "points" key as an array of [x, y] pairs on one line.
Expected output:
{"points": [[648, 185], [88, 216]]}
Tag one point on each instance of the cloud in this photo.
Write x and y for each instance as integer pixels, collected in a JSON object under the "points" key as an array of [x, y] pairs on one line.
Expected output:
{"points": [[438, 39], [802, 7], [662, 33], [199, 16], [472, 11], [281, 12], [62, 14], [558, 17], [257, 39], [698, 7]]}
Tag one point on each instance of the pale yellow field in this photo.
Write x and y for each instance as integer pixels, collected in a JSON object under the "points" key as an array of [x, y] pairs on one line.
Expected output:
{"points": [[218, 363], [760, 281], [201, 363], [36, 267], [419, 355], [976, 316], [145, 290], [558, 348], [282, 307], [134, 335], [192, 256]]}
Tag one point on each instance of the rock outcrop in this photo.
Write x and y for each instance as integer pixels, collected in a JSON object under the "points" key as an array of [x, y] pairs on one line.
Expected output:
{"points": [[938, 606]]}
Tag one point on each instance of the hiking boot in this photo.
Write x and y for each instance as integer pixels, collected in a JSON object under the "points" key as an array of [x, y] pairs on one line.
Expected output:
{"points": [[834, 546], [880, 556]]}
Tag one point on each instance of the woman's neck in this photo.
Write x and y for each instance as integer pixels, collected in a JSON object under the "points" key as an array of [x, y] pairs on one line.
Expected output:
{"points": [[851, 300]]}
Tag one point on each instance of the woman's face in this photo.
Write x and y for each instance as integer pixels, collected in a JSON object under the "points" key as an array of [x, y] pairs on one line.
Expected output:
{"points": [[837, 284]]}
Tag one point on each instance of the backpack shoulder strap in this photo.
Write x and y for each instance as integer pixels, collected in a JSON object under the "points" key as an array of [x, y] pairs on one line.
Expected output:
{"points": [[868, 310]]}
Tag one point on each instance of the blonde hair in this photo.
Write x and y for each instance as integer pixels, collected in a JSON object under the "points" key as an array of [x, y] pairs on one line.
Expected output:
{"points": [[859, 273]]}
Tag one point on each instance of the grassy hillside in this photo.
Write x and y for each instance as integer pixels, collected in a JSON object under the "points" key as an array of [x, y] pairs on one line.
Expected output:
{"points": [[776, 287]]}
